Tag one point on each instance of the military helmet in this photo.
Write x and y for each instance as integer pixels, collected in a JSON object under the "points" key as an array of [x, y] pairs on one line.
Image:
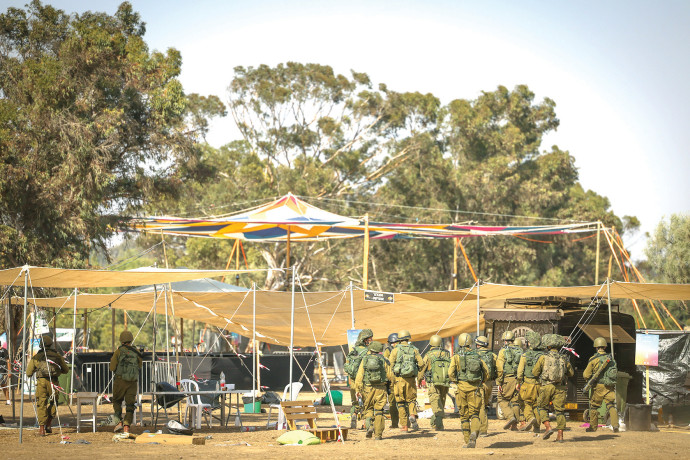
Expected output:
{"points": [[482, 341], [393, 338], [600, 342], [435, 341], [365, 334], [126, 336], [376, 346], [403, 335], [519, 342], [464, 340], [508, 335], [47, 340], [534, 339]]}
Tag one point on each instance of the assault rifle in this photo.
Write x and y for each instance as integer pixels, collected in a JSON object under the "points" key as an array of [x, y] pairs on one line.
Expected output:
{"points": [[591, 382]]}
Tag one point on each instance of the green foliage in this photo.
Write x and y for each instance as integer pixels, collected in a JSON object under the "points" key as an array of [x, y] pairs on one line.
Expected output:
{"points": [[668, 250]]}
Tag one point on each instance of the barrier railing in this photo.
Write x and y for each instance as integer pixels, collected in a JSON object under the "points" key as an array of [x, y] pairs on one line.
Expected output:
{"points": [[96, 377]]}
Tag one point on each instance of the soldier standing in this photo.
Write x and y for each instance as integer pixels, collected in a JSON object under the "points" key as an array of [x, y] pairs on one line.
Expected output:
{"points": [[48, 365], [605, 389], [552, 369], [436, 364], [506, 368], [470, 372], [407, 364], [489, 358], [354, 359], [392, 403], [371, 383], [125, 363], [528, 384]]}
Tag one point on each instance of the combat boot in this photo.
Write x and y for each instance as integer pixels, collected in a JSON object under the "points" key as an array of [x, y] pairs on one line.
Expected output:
{"points": [[353, 422], [559, 436], [42, 430], [527, 426], [49, 422], [370, 431], [549, 430], [510, 423], [413, 423], [473, 440], [117, 428]]}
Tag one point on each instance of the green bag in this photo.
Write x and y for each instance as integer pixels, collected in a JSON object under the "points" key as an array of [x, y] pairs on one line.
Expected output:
{"points": [[440, 362], [470, 366], [488, 358], [531, 357], [128, 364], [406, 361], [354, 359], [47, 366], [554, 368], [610, 375], [511, 355], [374, 369]]}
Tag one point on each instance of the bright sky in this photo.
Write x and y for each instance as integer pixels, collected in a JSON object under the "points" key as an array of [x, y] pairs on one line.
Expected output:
{"points": [[617, 70]]}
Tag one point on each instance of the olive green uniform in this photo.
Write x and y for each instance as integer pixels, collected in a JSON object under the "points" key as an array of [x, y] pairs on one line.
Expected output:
{"points": [[392, 402], [487, 387], [375, 396], [507, 381], [405, 388], [601, 394], [123, 390], [552, 392], [437, 393], [529, 386], [46, 395], [468, 395]]}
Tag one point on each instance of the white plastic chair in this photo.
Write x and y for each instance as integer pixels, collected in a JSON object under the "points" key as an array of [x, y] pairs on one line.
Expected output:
{"points": [[194, 404], [281, 424]]}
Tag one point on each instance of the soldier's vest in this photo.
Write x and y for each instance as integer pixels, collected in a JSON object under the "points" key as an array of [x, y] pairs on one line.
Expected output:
{"points": [[553, 370], [610, 374], [47, 366], [531, 357], [511, 356], [439, 362], [406, 361], [128, 364], [470, 368], [354, 359], [488, 357], [374, 369]]}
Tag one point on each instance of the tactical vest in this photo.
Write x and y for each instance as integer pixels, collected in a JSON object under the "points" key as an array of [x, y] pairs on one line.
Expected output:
{"points": [[470, 368], [610, 375], [354, 358], [554, 369], [374, 369], [488, 357], [47, 366], [128, 364], [531, 358], [406, 361], [439, 362], [511, 356]]}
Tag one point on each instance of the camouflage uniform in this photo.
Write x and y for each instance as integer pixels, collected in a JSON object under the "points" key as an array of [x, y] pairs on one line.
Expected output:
{"points": [[601, 393], [46, 394], [469, 394], [405, 388], [374, 394]]}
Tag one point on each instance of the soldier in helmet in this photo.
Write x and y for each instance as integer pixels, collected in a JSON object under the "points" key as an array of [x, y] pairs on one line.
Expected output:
{"points": [[354, 359], [489, 358], [407, 367], [48, 365], [436, 364], [392, 403], [470, 372], [125, 363], [552, 369], [506, 369], [371, 383], [605, 390], [528, 383]]}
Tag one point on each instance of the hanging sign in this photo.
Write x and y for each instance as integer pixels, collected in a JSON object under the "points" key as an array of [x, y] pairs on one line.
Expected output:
{"points": [[352, 337], [375, 296], [646, 350]]}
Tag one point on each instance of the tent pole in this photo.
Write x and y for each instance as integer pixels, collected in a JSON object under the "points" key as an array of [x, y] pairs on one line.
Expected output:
{"points": [[11, 344], [478, 283], [112, 329], [153, 356], [455, 264], [167, 338], [74, 348], [608, 295], [352, 305], [292, 332], [287, 254], [365, 262], [254, 345], [596, 260], [23, 369]]}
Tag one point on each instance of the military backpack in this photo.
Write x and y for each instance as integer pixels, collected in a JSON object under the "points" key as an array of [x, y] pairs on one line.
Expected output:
{"points": [[47, 366], [406, 361], [374, 369], [511, 355], [531, 358], [128, 364], [554, 368], [470, 366], [354, 359], [488, 358], [610, 374], [439, 362]]}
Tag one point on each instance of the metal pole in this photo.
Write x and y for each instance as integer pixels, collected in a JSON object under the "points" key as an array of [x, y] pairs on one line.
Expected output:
{"points": [[74, 348], [608, 295], [292, 332], [23, 369], [167, 337], [352, 305], [254, 345], [153, 356], [596, 259], [478, 283]]}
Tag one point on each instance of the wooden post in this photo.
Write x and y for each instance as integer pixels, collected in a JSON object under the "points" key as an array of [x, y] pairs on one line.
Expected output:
{"points": [[596, 259], [182, 335], [365, 269], [455, 263]]}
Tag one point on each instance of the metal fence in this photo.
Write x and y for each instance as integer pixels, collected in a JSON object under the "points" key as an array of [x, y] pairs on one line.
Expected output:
{"points": [[97, 377]]}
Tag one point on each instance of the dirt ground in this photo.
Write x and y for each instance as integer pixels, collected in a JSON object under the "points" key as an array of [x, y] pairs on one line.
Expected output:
{"points": [[604, 444]]}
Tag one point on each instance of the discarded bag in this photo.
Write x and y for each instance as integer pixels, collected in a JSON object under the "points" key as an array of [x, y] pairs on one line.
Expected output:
{"points": [[175, 427]]}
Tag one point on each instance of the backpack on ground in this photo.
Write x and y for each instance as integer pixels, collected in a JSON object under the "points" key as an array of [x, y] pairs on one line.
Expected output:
{"points": [[354, 359], [128, 364], [488, 358], [554, 368], [374, 369], [406, 361], [439, 364]]}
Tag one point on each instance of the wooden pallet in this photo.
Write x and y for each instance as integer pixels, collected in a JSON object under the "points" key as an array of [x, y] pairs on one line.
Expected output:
{"points": [[305, 410]]}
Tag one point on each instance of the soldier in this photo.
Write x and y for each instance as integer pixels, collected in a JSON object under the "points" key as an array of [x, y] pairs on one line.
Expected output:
{"points": [[470, 372], [552, 369], [407, 366], [436, 364], [506, 368], [48, 365], [489, 358], [125, 363], [354, 359], [371, 383], [392, 403], [527, 382], [605, 389]]}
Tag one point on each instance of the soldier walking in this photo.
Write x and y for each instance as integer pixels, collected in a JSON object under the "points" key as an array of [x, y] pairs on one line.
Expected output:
{"points": [[506, 368], [48, 365], [371, 383], [392, 402], [125, 363], [407, 365], [489, 358], [354, 359], [436, 364], [528, 383], [605, 390]]}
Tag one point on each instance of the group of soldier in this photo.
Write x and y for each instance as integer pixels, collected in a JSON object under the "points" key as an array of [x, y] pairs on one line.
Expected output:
{"points": [[531, 374]]}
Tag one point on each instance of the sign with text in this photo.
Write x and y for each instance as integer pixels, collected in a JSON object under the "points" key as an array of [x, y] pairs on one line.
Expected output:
{"points": [[647, 350], [352, 337], [374, 296]]}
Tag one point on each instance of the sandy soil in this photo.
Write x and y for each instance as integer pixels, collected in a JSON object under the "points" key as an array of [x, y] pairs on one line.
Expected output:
{"points": [[669, 442]]}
